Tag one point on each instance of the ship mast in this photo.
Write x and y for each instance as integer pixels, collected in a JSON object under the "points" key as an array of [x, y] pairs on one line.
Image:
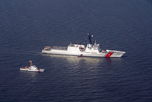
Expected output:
{"points": [[30, 63], [89, 38]]}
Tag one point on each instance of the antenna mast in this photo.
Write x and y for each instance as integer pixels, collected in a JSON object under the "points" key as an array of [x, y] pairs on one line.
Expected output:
{"points": [[89, 38]]}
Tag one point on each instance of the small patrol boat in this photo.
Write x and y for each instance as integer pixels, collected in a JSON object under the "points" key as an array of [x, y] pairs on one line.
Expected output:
{"points": [[32, 68]]}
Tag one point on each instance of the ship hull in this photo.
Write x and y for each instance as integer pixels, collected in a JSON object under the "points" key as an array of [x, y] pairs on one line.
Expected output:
{"points": [[110, 53]]}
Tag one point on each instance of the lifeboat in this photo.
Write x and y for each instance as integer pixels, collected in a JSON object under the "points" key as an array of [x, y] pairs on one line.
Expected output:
{"points": [[80, 55]]}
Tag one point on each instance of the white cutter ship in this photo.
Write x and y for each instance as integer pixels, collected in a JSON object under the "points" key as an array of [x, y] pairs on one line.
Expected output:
{"points": [[32, 68], [91, 50]]}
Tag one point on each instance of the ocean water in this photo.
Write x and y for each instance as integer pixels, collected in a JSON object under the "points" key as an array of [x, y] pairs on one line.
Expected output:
{"points": [[26, 26]]}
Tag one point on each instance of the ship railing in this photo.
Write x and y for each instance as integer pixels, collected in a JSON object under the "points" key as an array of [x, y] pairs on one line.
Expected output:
{"points": [[59, 48]]}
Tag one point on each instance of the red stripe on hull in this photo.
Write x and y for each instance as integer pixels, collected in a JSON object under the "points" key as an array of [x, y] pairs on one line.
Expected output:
{"points": [[109, 54]]}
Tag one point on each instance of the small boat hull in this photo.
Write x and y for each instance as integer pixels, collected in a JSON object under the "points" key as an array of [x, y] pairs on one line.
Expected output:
{"points": [[31, 70], [41, 70]]}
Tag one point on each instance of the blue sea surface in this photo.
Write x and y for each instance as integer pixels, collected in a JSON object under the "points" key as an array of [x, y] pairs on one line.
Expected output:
{"points": [[26, 26]]}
